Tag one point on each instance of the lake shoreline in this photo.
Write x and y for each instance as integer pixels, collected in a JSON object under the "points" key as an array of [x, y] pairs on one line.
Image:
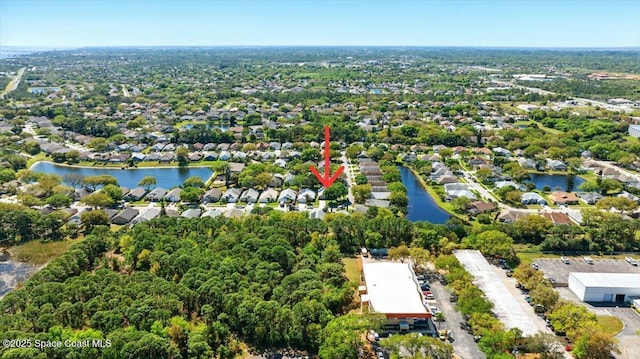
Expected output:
{"points": [[112, 167]]}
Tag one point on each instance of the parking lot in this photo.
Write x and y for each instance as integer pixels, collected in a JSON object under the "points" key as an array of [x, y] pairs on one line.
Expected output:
{"points": [[554, 268], [510, 305], [463, 344]]}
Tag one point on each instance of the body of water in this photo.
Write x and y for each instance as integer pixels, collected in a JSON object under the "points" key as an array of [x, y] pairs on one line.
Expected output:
{"points": [[422, 207], [166, 177], [13, 273], [556, 182]]}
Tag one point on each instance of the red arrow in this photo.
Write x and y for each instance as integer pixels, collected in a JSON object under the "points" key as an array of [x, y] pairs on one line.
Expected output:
{"points": [[328, 179]]}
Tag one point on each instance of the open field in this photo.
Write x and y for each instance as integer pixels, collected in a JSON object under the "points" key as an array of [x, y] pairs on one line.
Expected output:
{"points": [[353, 268], [37, 252]]}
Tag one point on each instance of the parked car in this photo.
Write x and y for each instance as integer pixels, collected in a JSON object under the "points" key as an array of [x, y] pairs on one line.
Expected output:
{"points": [[453, 297], [430, 296], [631, 261], [588, 260], [534, 265], [564, 260]]}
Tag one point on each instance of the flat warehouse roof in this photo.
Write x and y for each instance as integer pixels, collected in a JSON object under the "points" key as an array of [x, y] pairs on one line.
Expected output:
{"points": [[392, 289], [607, 280]]}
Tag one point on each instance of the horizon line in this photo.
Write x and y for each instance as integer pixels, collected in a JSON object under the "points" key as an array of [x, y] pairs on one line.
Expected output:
{"points": [[631, 47]]}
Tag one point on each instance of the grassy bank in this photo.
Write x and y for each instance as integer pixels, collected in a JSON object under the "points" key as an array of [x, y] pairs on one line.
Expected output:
{"points": [[610, 325], [442, 204], [38, 253], [353, 267]]}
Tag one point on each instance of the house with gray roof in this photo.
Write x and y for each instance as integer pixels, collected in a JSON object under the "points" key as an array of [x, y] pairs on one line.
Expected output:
{"points": [[590, 198], [232, 195], [533, 198], [135, 194], [147, 215], [211, 196], [191, 213], [306, 193], [156, 194], [125, 216], [268, 195], [213, 213], [250, 196], [173, 195], [287, 195]]}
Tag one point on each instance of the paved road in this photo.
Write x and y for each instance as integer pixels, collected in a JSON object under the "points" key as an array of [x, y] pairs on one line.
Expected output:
{"points": [[14, 83], [349, 175], [463, 344]]}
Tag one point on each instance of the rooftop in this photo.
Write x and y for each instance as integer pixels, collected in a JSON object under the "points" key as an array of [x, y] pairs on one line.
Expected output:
{"points": [[392, 288], [607, 280]]}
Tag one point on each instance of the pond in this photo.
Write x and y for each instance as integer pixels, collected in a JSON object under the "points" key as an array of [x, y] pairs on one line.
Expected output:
{"points": [[13, 273], [556, 182], [166, 177], [422, 207]]}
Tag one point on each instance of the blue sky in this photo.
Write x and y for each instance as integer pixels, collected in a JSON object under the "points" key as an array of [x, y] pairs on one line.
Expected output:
{"points": [[508, 23]]}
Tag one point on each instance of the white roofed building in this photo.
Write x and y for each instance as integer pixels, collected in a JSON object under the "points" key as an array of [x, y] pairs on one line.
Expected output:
{"points": [[392, 290], [605, 287]]}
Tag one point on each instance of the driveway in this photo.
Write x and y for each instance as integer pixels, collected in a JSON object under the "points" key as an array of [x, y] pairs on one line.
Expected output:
{"points": [[463, 344]]}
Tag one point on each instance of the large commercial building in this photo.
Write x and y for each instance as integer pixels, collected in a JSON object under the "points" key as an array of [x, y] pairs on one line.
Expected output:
{"points": [[392, 289], [605, 287]]}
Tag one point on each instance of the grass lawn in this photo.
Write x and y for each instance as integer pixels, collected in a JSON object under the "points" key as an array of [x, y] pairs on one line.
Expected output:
{"points": [[610, 324], [353, 268], [39, 157], [37, 252]]}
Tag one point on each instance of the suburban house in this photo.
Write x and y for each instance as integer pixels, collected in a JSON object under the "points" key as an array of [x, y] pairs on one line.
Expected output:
{"points": [[173, 195], [125, 216], [499, 151], [213, 213], [191, 213], [287, 195], [147, 215], [80, 193], [306, 194], [231, 195], [533, 198], [268, 195], [250, 196], [478, 207], [135, 194], [511, 215], [212, 195], [527, 163], [557, 218], [556, 165], [564, 198], [156, 194], [590, 198]]}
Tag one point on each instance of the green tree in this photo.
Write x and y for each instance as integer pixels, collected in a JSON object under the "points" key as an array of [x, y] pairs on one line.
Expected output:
{"points": [[147, 182], [361, 193], [90, 219], [113, 191], [460, 204], [58, 201], [401, 252], [191, 194], [98, 200], [194, 181], [492, 242], [343, 336], [7, 174], [92, 182], [182, 156], [595, 344], [335, 191]]}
